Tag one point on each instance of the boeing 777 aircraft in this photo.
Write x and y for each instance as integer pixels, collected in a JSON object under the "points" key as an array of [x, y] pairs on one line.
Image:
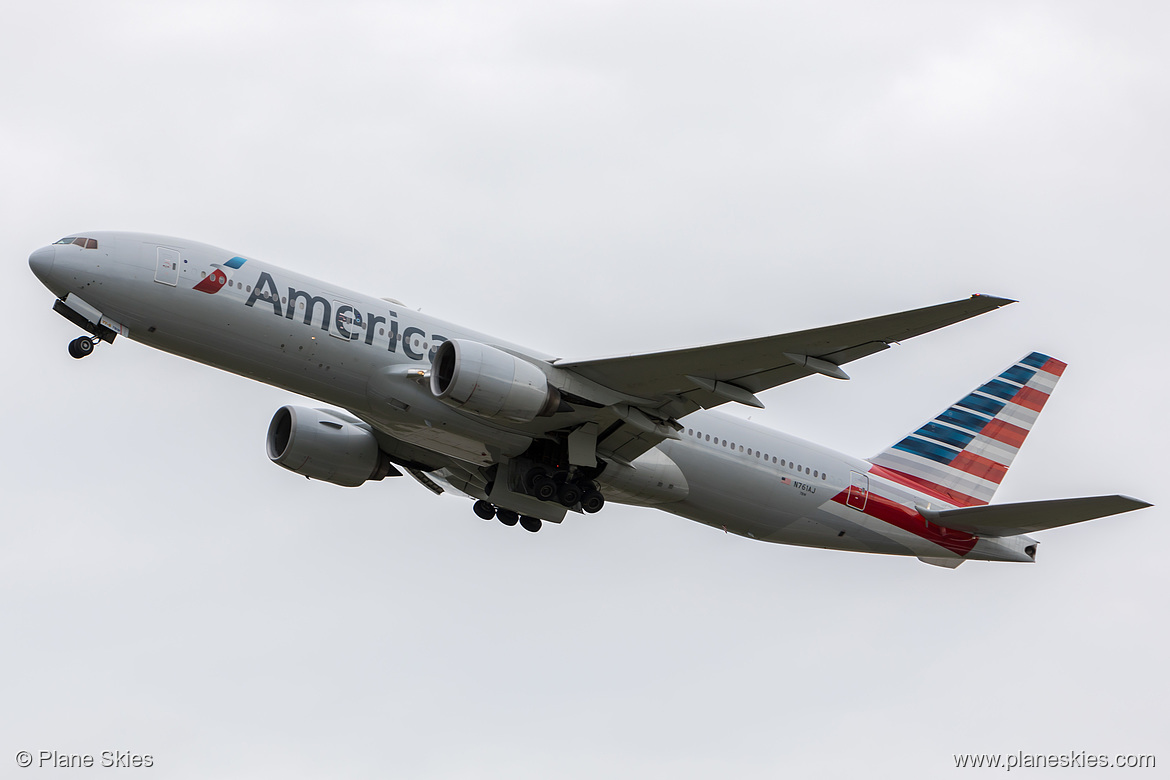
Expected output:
{"points": [[530, 437]]}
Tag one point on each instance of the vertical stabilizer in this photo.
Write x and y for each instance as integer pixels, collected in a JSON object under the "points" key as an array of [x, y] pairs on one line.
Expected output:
{"points": [[962, 454]]}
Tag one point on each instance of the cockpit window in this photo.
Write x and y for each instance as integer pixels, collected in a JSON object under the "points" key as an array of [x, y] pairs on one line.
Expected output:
{"points": [[84, 243]]}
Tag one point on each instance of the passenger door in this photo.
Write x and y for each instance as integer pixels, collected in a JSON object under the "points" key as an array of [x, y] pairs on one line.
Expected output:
{"points": [[858, 491], [167, 269]]}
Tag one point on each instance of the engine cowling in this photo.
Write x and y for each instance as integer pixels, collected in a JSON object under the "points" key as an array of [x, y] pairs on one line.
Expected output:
{"points": [[490, 382], [321, 445]]}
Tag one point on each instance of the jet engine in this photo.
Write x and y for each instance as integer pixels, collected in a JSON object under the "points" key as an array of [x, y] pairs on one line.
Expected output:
{"points": [[322, 445], [490, 382]]}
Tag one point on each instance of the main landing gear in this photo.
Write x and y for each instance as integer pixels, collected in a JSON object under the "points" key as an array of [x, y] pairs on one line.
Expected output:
{"points": [[82, 346], [486, 510], [561, 486]]}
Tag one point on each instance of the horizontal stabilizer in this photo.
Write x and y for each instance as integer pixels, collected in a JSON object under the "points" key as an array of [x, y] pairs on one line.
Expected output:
{"points": [[1029, 516]]}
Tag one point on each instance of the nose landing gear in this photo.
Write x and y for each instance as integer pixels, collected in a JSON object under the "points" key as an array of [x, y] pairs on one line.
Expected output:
{"points": [[82, 346]]}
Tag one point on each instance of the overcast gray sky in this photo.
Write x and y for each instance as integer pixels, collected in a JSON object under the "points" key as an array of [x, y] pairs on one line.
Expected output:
{"points": [[586, 178]]}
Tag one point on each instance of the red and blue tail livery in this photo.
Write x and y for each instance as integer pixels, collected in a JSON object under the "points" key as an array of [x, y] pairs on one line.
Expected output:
{"points": [[962, 455]]}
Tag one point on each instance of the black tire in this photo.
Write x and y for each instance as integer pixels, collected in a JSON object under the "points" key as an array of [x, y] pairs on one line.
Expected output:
{"points": [[592, 501], [529, 523], [569, 494], [80, 347], [484, 509], [544, 488], [507, 516], [533, 476]]}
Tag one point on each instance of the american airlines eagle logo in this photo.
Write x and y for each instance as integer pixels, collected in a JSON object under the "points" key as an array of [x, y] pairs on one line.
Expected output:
{"points": [[215, 280]]}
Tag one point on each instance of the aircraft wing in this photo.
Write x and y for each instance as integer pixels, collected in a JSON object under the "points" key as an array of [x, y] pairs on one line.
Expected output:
{"points": [[684, 380]]}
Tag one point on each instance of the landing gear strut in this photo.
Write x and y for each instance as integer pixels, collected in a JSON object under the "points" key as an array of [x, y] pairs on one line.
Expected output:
{"points": [[82, 346]]}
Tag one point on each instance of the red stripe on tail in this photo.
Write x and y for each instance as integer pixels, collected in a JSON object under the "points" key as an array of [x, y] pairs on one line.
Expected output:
{"points": [[1011, 435], [1054, 367], [926, 486], [978, 466], [1030, 398]]}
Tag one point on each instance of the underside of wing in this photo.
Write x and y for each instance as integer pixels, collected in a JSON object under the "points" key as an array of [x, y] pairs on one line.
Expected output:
{"points": [[684, 380]]}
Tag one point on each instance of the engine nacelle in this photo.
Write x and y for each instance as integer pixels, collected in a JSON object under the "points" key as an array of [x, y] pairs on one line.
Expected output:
{"points": [[321, 445], [490, 382]]}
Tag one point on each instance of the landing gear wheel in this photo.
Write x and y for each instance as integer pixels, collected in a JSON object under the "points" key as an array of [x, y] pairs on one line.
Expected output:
{"points": [[80, 346], [529, 523], [507, 516], [569, 494], [544, 488], [533, 476], [592, 501], [484, 509]]}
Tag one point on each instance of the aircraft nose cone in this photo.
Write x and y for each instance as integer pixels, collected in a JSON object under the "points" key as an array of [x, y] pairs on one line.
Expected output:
{"points": [[41, 262]]}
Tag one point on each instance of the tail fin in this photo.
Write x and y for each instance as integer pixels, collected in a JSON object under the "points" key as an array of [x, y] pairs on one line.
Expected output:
{"points": [[962, 454]]}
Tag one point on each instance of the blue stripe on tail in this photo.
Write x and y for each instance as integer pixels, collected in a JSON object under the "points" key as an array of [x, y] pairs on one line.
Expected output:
{"points": [[926, 449]]}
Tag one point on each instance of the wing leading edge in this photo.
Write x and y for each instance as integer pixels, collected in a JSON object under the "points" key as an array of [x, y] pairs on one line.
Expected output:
{"points": [[684, 380], [658, 388]]}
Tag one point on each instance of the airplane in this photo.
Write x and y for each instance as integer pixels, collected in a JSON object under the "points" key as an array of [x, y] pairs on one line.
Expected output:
{"points": [[530, 437]]}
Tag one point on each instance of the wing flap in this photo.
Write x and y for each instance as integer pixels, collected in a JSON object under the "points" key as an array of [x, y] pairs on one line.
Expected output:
{"points": [[996, 520]]}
